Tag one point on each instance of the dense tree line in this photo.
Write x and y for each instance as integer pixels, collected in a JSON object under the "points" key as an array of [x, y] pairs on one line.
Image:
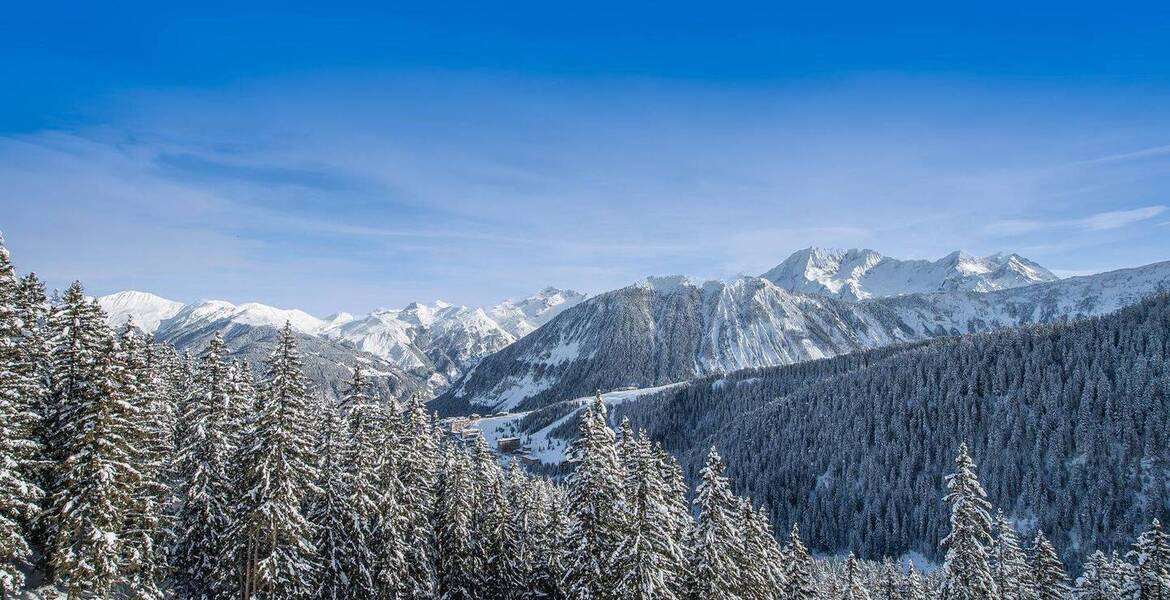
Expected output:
{"points": [[1070, 422], [128, 470]]}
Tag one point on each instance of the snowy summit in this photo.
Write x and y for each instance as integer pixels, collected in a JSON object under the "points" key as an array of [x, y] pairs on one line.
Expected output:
{"points": [[860, 274]]}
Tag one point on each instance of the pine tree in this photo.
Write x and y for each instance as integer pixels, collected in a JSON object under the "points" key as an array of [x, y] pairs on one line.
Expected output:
{"points": [[915, 588], [799, 584], [675, 492], [205, 486], [1097, 582], [763, 568], [76, 338], [546, 580], [388, 538], [1048, 576], [1151, 558], [19, 489], [853, 584], [146, 553], [96, 478], [332, 511], [645, 560], [365, 426], [717, 540], [1009, 567], [417, 470], [459, 564], [271, 539], [595, 499], [966, 572], [889, 585], [502, 570], [36, 365]]}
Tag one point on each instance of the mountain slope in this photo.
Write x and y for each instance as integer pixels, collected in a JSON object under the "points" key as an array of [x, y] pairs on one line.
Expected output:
{"points": [[1067, 422], [855, 275], [666, 330]]}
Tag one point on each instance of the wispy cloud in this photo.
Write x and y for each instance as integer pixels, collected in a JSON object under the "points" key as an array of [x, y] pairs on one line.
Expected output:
{"points": [[1101, 221], [1120, 218], [1123, 157], [415, 191]]}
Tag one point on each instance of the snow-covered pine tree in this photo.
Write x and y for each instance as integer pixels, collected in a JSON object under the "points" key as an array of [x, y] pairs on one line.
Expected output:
{"points": [[33, 312], [626, 445], [145, 550], [459, 564], [486, 474], [550, 558], [76, 337], [1096, 581], [966, 572], [501, 577], [418, 467], [1009, 566], [854, 584], [19, 389], [1048, 576], [675, 492], [763, 573], [271, 539], [595, 500], [889, 584], [914, 587], [162, 397], [332, 510], [205, 486], [525, 519], [97, 480], [181, 376], [1151, 560], [645, 560], [240, 413], [36, 346], [388, 539], [365, 427], [798, 574], [717, 539]]}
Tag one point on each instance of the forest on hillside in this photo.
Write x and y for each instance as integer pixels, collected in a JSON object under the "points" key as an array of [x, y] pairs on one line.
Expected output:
{"points": [[1069, 423]]}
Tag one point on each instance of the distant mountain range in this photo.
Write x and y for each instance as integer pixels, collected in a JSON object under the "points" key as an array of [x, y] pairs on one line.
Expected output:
{"points": [[666, 330], [559, 344], [417, 349]]}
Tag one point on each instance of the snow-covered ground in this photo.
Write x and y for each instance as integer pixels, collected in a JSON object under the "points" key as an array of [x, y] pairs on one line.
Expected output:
{"points": [[541, 445]]}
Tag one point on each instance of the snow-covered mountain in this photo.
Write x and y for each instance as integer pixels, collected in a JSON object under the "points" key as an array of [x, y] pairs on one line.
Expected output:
{"points": [[429, 344], [522, 317], [223, 315], [250, 331], [146, 309], [665, 330], [437, 341], [861, 274]]}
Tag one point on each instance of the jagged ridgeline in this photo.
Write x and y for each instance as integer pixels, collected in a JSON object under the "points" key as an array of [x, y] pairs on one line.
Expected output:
{"points": [[666, 330], [1069, 425]]}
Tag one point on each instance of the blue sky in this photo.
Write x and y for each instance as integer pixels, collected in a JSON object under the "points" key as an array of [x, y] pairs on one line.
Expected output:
{"points": [[347, 156]]}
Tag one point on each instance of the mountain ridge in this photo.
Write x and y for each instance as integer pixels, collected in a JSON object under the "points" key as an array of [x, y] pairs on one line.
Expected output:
{"points": [[648, 334], [861, 274]]}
